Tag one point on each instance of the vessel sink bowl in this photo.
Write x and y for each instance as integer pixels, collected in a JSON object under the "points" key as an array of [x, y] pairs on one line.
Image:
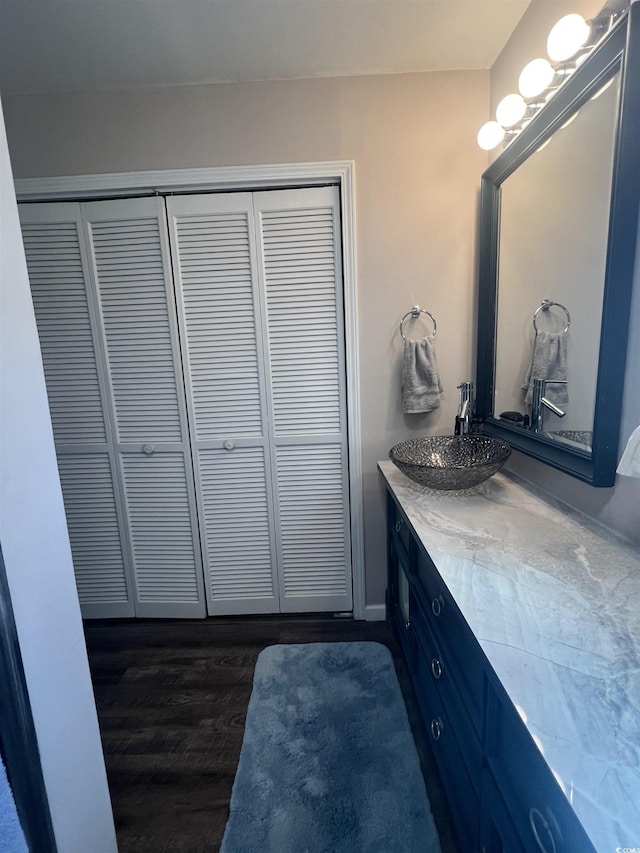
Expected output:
{"points": [[450, 462]]}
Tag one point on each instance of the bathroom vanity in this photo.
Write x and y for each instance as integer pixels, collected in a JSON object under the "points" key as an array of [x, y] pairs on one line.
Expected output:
{"points": [[520, 622]]}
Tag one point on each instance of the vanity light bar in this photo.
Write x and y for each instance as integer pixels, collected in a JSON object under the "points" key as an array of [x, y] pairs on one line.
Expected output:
{"points": [[569, 42]]}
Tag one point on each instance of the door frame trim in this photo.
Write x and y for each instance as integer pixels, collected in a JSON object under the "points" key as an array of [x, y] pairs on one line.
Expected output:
{"points": [[268, 176]]}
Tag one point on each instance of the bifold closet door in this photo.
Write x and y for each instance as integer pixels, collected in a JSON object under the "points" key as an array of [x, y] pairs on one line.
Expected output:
{"points": [[259, 289], [132, 277], [214, 257], [76, 386], [233, 448], [144, 490], [300, 267]]}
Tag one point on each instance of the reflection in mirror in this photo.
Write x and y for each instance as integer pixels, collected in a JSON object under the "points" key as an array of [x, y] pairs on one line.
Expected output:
{"points": [[554, 217]]}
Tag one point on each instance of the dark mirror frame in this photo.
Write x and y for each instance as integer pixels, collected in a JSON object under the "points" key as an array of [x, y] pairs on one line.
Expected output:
{"points": [[620, 49]]}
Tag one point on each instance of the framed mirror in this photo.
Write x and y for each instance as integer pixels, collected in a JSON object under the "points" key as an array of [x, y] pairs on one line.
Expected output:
{"points": [[558, 233]]}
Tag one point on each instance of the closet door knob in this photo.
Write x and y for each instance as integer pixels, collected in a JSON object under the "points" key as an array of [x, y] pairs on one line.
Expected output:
{"points": [[436, 728], [229, 445], [147, 449], [436, 668]]}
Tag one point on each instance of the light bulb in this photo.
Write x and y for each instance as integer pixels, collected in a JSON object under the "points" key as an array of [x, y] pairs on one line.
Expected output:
{"points": [[567, 37], [535, 77], [490, 135], [511, 110]]}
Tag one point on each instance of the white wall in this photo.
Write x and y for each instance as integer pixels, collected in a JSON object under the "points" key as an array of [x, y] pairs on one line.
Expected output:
{"points": [[36, 553], [413, 140], [616, 507]]}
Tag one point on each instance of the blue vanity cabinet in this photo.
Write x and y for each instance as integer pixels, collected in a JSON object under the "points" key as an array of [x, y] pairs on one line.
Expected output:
{"points": [[502, 794], [454, 740], [399, 583], [455, 637], [523, 780], [497, 830], [454, 747]]}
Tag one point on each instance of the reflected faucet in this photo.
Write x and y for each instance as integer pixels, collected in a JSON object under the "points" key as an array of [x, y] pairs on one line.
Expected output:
{"points": [[465, 411], [539, 402]]}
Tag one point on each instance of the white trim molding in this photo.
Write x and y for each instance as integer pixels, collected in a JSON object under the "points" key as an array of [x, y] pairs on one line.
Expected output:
{"points": [[375, 613], [280, 175]]}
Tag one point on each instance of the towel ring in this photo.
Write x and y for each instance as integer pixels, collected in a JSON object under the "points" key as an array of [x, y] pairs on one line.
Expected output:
{"points": [[546, 304], [415, 312]]}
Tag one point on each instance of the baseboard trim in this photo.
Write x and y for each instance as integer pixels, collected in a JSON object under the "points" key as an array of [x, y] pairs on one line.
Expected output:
{"points": [[375, 613]]}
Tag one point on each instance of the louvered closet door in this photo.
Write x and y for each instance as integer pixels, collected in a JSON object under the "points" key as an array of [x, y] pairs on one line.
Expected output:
{"points": [[300, 266], [131, 275], [214, 261], [77, 389]]}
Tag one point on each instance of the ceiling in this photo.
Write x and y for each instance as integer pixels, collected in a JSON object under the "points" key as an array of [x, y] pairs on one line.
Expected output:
{"points": [[72, 45]]}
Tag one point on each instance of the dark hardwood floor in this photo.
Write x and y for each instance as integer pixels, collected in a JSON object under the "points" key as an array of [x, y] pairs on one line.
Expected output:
{"points": [[172, 698]]}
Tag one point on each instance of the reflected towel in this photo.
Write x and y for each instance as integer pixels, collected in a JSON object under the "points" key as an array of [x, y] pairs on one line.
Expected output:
{"points": [[629, 465], [548, 361], [421, 386]]}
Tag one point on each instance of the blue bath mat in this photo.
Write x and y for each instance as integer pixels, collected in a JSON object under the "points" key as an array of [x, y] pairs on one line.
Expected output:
{"points": [[328, 763], [11, 835]]}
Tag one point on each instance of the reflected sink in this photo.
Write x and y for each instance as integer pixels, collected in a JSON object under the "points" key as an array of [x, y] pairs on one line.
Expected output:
{"points": [[450, 462]]}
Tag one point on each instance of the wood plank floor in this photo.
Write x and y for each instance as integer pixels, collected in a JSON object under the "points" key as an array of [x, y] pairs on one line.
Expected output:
{"points": [[172, 698]]}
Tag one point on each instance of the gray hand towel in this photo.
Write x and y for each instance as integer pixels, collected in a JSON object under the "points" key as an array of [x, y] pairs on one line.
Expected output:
{"points": [[421, 385], [548, 361]]}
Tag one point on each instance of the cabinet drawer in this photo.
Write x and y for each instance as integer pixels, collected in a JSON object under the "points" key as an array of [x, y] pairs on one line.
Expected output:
{"points": [[540, 810], [461, 793], [453, 635], [497, 831], [399, 526], [433, 665]]}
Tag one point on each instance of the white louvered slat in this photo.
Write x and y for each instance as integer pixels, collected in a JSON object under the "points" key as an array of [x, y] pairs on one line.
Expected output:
{"points": [[215, 272], [312, 520], [300, 278], [130, 276], [237, 525], [57, 281], [160, 526], [90, 506]]}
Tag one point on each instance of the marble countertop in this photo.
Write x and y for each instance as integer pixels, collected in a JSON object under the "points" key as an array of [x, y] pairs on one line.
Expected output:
{"points": [[554, 601]]}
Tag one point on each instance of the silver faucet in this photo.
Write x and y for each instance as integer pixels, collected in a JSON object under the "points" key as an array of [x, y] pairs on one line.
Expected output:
{"points": [[539, 402], [465, 411]]}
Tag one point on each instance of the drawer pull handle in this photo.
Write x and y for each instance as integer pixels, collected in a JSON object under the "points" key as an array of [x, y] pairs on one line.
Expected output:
{"points": [[398, 526], [436, 668], [436, 605], [436, 729], [540, 827]]}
